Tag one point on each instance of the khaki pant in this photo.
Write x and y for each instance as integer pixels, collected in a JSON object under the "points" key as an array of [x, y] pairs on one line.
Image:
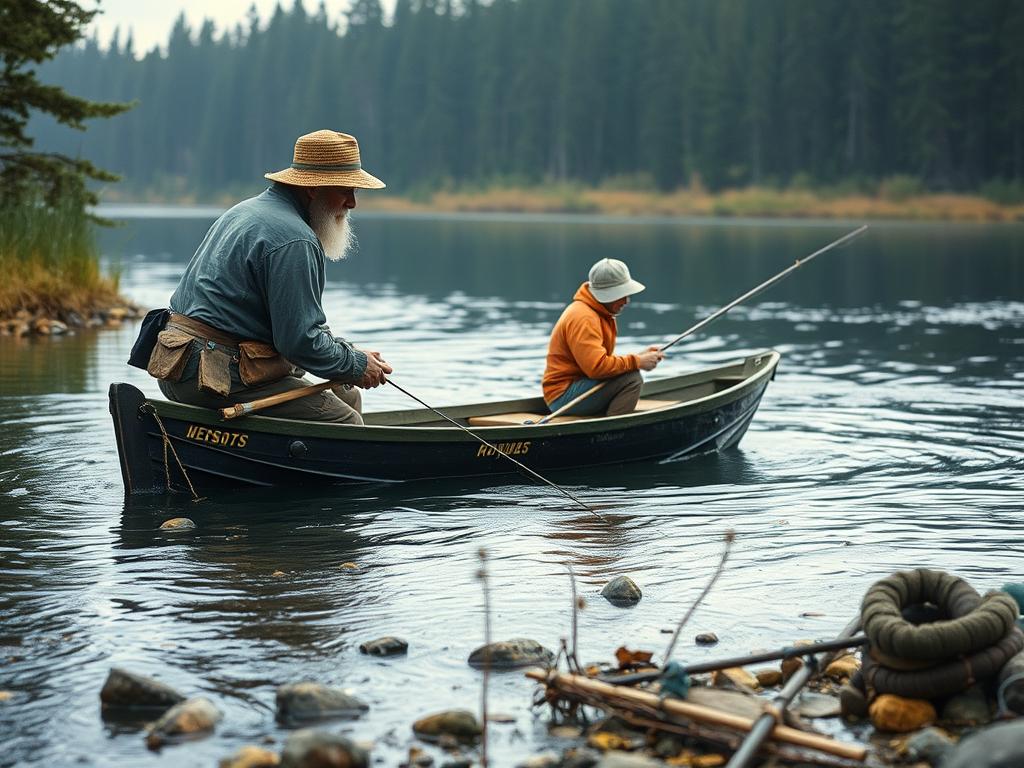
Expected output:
{"points": [[339, 405], [617, 396]]}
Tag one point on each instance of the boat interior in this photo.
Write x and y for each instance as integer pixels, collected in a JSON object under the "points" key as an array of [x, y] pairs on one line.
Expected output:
{"points": [[656, 395]]}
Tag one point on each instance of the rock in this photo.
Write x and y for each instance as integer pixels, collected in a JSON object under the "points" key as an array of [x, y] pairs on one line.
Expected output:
{"points": [[790, 666], [997, 746], [126, 690], [312, 748], [458, 762], [706, 638], [843, 668], [118, 313], [41, 326], [544, 760], [177, 524], [565, 732], [735, 677], [580, 757], [419, 758], [191, 719], [278, 574], [968, 707], [57, 328], [384, 646], [307, 701], [617, 759], [668, 746], [5, 696], [930, 745], [622, 591], [251, 757], [459, 723], [768, 678], [853, 702], [510, 654], [896, 714], [812, 705], [74, 319]]}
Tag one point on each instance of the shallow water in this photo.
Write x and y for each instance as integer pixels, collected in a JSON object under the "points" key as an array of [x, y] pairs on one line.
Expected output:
{"points": [[890, 439]]}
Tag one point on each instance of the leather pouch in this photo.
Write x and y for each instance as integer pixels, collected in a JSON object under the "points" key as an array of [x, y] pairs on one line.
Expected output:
{"points": [[215, 371], [170, 353], [260, 363]]}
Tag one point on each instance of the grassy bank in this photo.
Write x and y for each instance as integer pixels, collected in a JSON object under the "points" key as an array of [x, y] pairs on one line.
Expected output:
{"points": [[49, 260], [895, 202]]}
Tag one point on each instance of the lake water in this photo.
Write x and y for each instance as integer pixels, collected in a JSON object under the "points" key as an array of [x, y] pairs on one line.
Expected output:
{"points": [[890, 439]]}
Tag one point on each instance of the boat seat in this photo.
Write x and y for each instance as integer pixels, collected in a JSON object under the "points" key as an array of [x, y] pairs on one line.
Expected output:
{"points": [[521, 419]]}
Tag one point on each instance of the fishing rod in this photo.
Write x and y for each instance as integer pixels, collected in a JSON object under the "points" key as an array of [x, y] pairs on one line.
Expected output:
{"points": [[717, 314], [244, 409], [495, 448], [789, 652]]}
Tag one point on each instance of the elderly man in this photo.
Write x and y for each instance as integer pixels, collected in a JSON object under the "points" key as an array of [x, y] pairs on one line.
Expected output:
{"points": [[246, 319], [581, 350]]}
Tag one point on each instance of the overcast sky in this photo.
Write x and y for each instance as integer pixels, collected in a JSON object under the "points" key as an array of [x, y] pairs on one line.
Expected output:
{"points": [[151, 20]]}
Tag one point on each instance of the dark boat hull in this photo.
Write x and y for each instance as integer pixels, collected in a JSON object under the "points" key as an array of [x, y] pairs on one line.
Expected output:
{"points": [[712, 410]]}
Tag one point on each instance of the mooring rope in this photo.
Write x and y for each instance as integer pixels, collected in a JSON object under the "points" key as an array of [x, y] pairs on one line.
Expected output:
{"points": [[148, 408]]}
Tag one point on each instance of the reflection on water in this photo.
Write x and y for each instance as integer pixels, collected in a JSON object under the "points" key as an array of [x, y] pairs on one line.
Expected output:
{"points": [[889, 439]]}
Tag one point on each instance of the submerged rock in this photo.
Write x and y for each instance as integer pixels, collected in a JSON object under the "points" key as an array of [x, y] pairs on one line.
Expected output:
{"points": [[312, 748], [308, 701], [190, 719], [735, 702], [126, 690], [706, 638], [177, 524], [459, 723], [510, 654], [251, 757], [998, 746], [622, 591], [384, 646]]}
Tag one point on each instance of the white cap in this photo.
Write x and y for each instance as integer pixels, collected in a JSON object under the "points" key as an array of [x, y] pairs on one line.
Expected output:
{"points": [[610, 281]]}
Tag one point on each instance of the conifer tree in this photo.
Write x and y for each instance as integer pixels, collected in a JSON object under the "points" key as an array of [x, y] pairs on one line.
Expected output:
{"points": [[33, 33]]}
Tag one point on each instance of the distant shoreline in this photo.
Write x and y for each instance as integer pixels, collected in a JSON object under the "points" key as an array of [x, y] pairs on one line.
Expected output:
{"points": [[750, 202]]}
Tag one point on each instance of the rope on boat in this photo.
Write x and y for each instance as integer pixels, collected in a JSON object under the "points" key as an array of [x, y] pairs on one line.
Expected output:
{"points": [[148, 408]]}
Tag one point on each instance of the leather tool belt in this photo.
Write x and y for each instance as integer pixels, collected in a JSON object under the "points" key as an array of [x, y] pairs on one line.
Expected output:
{"points": [[258, 362]]}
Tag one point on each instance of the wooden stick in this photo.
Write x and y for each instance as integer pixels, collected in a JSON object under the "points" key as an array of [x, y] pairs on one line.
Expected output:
{"points": [[625, 697], [244, 409]]}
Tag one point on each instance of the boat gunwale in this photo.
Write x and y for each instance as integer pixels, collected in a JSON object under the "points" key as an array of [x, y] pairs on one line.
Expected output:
{"points": [[403, 432]]}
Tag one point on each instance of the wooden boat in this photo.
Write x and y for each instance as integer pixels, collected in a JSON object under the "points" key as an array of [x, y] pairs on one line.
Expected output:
{"points": [[707, 410]]}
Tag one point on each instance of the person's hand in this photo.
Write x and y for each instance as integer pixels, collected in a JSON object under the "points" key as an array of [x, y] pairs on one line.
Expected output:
{"points": [[376, 370], [650, 358]]}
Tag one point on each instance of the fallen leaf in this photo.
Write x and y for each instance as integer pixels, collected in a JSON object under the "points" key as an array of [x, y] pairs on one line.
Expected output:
{"points": [[628, 658]]}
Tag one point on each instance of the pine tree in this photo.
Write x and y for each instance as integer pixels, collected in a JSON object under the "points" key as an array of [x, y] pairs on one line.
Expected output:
{"points": [[33, 33]]}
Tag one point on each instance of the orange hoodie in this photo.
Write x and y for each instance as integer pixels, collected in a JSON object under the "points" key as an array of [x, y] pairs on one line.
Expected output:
{"points": [[581, 346]]}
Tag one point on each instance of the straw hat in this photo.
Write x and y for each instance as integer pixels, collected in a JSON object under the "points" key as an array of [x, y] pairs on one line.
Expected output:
{"points": [[610, 281], [326, 159]]}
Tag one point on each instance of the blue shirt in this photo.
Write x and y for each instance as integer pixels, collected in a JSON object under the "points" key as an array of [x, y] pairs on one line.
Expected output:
{"points": [[259, 274]]}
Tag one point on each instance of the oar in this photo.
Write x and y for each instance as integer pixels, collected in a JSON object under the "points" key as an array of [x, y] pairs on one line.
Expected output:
{"points": [[774, 712], [788, 652], [265, 402], [715, 315]]}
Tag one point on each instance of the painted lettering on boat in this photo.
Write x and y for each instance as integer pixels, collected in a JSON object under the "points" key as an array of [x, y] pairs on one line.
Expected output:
{"points": [[512, 449], [216, 436]]}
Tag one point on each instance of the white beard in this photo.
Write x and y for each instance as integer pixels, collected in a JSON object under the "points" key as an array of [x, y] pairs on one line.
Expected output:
{"points": [[336, 235]]}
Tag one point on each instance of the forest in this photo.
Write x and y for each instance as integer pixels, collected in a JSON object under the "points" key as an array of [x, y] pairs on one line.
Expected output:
{"points": [[654, 94]]}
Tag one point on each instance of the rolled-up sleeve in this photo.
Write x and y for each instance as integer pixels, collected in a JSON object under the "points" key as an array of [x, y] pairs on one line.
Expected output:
{"points": [[293, 278]]}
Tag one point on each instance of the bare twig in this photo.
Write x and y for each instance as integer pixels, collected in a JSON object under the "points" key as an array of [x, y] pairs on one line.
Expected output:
{"points": [[482, 575], [730, 537], [577, 605]]}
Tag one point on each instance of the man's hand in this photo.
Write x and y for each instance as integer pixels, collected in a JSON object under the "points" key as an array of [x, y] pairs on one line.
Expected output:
{"points": [[376, 370], [650, 358]]}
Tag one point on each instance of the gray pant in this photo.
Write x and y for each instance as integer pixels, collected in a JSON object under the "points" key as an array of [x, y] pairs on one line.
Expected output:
{"points": [[619, 395], [338, 404]]}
